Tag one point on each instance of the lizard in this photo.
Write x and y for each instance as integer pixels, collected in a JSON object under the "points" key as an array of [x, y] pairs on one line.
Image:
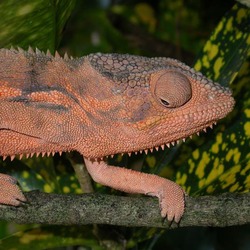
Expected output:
{"points": [[101, 105]]}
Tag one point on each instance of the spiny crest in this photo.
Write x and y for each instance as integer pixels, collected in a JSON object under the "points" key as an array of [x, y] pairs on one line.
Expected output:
{"points": [[40, 53]]}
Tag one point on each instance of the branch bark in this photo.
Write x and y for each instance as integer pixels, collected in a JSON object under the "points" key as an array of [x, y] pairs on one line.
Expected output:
{"points": [[60, 209]]}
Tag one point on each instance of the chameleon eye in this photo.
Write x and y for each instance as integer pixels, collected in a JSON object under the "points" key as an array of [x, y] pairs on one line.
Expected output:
{"points": [[164, 102], [173, 89]]}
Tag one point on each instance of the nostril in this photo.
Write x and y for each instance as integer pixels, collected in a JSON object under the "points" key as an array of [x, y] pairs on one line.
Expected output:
{"points": [[173, 89]]}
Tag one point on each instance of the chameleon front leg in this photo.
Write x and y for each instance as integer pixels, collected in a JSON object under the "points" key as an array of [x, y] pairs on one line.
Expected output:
{"points": [[10, 194], [171, 196]]}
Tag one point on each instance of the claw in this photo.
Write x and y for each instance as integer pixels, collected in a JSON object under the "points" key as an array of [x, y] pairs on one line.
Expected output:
{"points": [[170, 223]]}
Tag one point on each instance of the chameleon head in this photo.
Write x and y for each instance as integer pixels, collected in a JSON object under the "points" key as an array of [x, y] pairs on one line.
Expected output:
{"points": [[183, 102], [157, 102]]}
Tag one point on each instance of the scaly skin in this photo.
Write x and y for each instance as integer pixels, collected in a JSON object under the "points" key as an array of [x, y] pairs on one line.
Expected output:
{"points": [[101, 105]]}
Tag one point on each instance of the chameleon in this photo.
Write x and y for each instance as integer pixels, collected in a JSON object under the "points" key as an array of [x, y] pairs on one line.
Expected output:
{"points": [[102, 105]]}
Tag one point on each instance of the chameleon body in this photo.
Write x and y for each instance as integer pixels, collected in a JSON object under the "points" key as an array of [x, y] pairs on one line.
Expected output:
{"points": [[101, 105]]}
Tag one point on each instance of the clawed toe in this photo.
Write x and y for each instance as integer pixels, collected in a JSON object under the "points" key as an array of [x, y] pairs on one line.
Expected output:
{"points": [[172, 202]]}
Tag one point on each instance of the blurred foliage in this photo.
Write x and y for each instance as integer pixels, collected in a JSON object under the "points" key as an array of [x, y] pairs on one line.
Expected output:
{"points": [[36, 23], [213, 163]]}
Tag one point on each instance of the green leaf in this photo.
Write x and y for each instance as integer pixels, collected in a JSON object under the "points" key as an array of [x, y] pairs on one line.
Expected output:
{"points": [[223, 162], [36, 23], [226, 50]]}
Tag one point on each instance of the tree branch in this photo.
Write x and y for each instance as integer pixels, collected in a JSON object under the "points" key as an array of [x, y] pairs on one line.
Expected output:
{"points": [[60, 209]]}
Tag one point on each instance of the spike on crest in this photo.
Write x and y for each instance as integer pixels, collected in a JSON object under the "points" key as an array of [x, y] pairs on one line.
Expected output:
{"points": [[30, 50], [38, 51], [48, 53], [66, 57], [12, 157], [20, 49], [57, 55]]}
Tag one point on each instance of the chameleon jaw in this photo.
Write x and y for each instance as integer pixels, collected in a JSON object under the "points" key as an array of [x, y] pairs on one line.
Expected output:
{"points": [[155, 148], [161, 146], [146, 150]]}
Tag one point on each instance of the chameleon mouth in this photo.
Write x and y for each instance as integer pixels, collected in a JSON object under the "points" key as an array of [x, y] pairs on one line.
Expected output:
{"points": [[136, 152], [161, 146]]}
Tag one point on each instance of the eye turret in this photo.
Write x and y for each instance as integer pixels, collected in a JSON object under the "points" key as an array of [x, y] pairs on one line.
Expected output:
{"points": [[173, 89]]}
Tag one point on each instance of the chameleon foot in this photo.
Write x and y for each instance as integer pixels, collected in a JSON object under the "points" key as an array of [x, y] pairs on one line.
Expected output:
{"points": [[10, 194], [171, 198]]}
